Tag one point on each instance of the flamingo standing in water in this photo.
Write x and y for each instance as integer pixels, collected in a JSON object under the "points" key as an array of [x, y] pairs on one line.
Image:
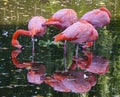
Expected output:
{"points": [[35, 29], [98, 17], [62, 19], [80, 32]]}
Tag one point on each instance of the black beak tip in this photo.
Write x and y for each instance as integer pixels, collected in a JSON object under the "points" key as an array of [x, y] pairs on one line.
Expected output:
{"points": [[80, 46], [23, 47], [44, 25]]}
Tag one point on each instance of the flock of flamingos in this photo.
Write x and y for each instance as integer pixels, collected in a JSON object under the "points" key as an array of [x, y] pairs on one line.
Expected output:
{"points": [[75, 30], [79, 31]]}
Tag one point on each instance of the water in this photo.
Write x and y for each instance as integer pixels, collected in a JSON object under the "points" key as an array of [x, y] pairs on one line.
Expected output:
{"points": [[48, 59]]}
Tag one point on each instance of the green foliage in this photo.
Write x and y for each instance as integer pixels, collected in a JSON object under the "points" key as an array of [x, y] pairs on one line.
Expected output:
{"points": [[50, 43], [104, 43]]}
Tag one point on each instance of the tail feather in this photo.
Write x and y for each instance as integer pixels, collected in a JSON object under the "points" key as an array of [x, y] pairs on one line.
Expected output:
{"points": [[59, 37]]}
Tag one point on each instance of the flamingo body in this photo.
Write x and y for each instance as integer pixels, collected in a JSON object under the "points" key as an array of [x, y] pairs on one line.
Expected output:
{"points": [[78, 33], [35, 29], [35, 26], [98, 17], [63, 18]]}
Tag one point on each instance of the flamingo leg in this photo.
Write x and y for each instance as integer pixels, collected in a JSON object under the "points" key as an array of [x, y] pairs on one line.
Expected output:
{"points": [[77, 47], [65, 63], [94, 47], [33, 48], [76, 55]]}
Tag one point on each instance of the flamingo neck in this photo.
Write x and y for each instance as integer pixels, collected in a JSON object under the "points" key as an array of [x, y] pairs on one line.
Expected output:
{"points": [[15, 42], [14, 55], [55, 22], [21, 32]]}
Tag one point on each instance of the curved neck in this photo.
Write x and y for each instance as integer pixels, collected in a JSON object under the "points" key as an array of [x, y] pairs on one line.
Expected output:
{"points": [[18, 64], [21, 32], [14, 55]]}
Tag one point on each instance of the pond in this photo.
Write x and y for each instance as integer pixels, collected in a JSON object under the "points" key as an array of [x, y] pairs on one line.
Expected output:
{"points": [[44, 72]]}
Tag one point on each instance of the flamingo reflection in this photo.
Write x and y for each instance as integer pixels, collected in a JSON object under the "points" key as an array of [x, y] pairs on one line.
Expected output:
{"points": [[72, 81], [36, 70], [91, 63], [36, 74]]}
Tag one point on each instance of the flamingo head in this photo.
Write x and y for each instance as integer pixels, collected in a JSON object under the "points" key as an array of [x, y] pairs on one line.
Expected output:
{"points": [[16, 44]]}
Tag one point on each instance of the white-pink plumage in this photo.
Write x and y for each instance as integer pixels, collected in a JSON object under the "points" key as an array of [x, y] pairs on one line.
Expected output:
{"points": [[63, 18], [78, 33], [98, 17]]}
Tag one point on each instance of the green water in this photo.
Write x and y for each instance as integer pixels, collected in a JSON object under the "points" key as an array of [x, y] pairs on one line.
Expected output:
{"points": [[15, 14]]}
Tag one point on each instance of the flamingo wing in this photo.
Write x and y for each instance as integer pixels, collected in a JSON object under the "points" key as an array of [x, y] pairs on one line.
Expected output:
{"points": [[97, 17], [79, 32], [63, 18]]}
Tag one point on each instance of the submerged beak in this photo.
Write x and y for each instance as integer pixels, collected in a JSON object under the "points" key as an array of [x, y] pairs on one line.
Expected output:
{"points": [[44, 25], [16, 44]]}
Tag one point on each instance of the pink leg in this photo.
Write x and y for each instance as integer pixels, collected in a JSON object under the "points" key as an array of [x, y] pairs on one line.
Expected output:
{"points": [[33, 48], [76, 56], [65, 55]]}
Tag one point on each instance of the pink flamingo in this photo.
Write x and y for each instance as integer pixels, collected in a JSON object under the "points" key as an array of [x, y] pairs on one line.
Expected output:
{"points": [[35, 29], [98, 17], [78, 33], [62, 18]]}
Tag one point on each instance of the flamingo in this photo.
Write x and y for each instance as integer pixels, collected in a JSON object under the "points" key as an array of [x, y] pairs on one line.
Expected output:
{"points": [[62, 19], [98, 17], [35, 29], [78, 33]]}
